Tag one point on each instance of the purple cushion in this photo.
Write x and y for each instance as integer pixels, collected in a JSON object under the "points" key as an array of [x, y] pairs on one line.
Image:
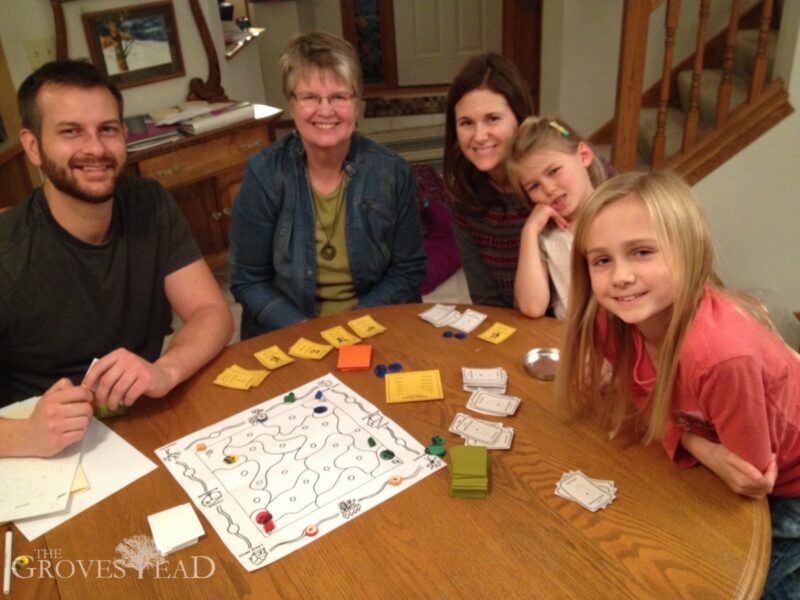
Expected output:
{"points": [[440, 246]]}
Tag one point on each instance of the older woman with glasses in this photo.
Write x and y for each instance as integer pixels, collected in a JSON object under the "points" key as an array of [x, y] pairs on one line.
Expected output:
{"points": [[326, 220]]}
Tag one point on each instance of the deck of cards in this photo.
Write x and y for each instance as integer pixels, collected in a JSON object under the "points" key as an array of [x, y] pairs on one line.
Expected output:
{"points": [[592, 494], [495, 405], [446, 315], [477, 432], [491, 380]]}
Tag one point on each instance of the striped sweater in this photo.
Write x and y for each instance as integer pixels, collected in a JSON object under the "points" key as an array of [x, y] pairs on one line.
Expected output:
{"points": [[489, 247]]}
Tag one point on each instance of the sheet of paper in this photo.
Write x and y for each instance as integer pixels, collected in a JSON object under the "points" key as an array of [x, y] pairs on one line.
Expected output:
{"points": [[35, 486], [314, 470], [110, 462], [339, 336], [366, 326], [23, 410], [304, 348], [497, 333], [273, 357], [413, 386]]}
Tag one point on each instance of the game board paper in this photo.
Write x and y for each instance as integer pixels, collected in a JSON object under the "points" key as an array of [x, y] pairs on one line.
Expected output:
{"points": [[312, 471]]}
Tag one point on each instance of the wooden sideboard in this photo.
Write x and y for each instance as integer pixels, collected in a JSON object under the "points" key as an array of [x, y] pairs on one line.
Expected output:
{"points": [[203, 173]]}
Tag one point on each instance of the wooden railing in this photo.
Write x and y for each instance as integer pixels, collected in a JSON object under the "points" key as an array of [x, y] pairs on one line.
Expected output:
{"points": [[719, 51]]}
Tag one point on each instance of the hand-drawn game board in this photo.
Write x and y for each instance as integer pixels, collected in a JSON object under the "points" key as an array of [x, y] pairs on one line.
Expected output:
{"points": [[278, 476]]}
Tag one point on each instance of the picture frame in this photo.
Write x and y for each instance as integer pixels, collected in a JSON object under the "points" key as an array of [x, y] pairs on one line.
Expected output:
{"points": [[135, 45]]}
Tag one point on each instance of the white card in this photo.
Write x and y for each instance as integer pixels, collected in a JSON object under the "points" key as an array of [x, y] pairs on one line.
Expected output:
{"points": [[469, 427], [493, 404], [583, 491]]}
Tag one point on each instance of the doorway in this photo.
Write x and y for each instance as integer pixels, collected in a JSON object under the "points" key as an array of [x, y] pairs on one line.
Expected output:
{"points": [[417, 45]]}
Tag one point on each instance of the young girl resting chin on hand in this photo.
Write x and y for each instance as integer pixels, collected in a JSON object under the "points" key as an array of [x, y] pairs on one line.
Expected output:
{"points": [[550, 166], [699, 368]]}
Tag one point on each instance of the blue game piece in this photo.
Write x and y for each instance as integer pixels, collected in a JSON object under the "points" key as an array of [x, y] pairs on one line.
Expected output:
{"points": [[381, 370], [318, 395], [447, 334], [461, 335], [320, 409], [395, 367]]}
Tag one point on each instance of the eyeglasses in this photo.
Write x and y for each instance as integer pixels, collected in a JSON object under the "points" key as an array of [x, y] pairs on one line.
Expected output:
{"points": [[315, 100]]}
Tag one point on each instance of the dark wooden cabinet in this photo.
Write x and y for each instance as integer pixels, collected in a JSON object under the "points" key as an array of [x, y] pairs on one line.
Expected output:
{"points": [[203, 173]]}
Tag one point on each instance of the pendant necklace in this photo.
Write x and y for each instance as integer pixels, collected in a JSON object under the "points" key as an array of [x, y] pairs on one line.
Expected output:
{"points": [[328, 250]]}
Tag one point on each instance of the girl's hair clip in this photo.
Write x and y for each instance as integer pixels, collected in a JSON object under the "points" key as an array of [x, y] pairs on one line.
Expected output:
{"points": [[559, 128]]}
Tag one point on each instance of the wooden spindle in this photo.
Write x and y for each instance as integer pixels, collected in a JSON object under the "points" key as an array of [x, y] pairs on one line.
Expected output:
{"points": [[760, 64], [659, 139], [726, 83], [630, 80], [693, 112]]}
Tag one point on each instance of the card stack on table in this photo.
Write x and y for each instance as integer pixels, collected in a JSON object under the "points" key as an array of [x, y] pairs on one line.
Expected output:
{"points": [[495, 405], [491, 380], [469, 472], [592, 494], [446, 315], [477, 432], [237, 378]]}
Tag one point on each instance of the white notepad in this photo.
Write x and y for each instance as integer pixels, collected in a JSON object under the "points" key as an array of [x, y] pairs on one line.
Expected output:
{"points": [[175, 528]]}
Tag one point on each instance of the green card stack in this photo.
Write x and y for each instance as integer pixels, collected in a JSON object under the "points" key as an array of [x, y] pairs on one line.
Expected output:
{"points": [[469, 472]]}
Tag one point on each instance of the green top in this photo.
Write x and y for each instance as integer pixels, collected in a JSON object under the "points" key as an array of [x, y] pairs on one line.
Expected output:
{"points": [[334, 279]]}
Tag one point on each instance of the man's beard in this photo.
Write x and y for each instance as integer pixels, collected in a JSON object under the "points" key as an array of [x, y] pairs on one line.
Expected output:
{"points": [[64, 182]]}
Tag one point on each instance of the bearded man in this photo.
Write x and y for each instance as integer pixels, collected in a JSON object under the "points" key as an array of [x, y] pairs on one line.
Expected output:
{"points": [[92, 265]]}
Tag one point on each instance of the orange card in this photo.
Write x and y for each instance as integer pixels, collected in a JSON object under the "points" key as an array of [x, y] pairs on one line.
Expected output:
{"points": [[354, 358]]}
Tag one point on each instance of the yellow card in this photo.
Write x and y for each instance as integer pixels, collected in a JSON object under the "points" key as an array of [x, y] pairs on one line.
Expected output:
{"points": [[413, 386], [339, 336], [497, 333], [366, 326], [237, 378], [79, 483], [304, 348], [273, 357]]}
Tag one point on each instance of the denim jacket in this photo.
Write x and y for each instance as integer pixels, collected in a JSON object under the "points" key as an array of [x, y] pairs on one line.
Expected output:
{"points": [[272, 241]]}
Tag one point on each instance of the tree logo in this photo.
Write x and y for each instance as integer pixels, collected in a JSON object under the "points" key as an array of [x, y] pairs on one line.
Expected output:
{"points": [[139, 552]]}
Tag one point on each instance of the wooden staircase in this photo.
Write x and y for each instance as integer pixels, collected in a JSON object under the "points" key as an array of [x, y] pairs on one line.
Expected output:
{"points": [[706, 108]]}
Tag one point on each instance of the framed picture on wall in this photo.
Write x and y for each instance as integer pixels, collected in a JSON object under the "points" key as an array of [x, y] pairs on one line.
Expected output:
{"points": [[135, 45]]}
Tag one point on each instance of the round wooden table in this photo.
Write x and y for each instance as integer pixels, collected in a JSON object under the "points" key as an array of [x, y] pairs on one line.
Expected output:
{"points": [[669, 534]]}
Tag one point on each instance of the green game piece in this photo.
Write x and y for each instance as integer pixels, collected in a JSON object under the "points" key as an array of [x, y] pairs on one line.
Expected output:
{"points": [[387, 455], [436, 450], [289, 398], [103, 412], [371, 442], [437, 440]]}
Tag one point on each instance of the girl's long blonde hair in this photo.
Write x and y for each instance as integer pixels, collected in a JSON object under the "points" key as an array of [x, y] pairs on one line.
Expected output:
{"points": [[684, 239], [546, 133]]}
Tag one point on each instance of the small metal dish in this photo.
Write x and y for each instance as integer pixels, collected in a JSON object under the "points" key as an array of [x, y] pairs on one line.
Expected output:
{"points": [[541, 363]]}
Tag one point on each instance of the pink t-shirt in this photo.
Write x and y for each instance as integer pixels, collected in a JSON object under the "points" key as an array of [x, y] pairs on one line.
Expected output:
{"points": [[737, 384]]}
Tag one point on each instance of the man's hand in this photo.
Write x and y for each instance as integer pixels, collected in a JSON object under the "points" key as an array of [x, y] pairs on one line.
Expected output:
{"points": [[60, 418], [739, 475], [121, 378]]}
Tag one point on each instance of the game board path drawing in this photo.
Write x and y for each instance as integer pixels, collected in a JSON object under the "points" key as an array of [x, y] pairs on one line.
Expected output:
{"points": [[311, 459]]}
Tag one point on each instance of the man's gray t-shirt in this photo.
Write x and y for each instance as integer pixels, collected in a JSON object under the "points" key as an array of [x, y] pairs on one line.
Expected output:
{"points": [[64, 302]]}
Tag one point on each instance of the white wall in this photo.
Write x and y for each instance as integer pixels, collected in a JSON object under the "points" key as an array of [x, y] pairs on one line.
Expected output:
{"points": [[17, 31], [753, 203], [284, 20]]}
